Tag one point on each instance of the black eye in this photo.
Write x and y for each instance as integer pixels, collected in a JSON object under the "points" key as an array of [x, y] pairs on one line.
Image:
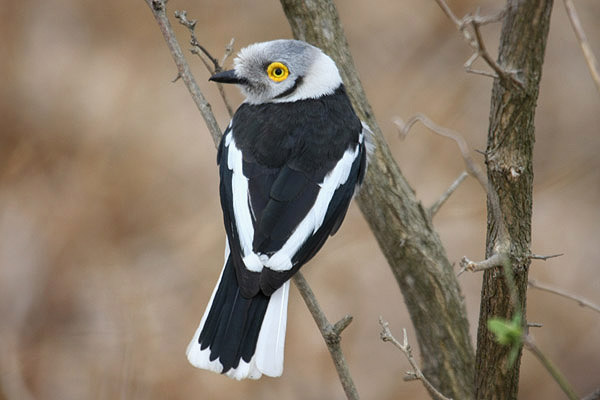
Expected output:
{"points": [[278, 72]]}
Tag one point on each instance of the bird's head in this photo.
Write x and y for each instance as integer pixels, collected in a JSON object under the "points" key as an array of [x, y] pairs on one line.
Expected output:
{"points": [[282, 71]]}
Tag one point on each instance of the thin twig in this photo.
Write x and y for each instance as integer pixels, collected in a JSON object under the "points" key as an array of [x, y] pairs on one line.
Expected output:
{"points": [[544, 258], [331, 334], [560, 292], [228, 52], [181, 16], [472, 167], [159, 12], [387, 336], [590, 59], [550, 367], [500, 258], [506, 76], [200, 50], [446, 195], [477, 44], [534, 325], [496, 260]]}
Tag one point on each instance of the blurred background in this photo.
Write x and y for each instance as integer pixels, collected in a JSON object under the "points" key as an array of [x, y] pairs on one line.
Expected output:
{"points": [[111, 235]]}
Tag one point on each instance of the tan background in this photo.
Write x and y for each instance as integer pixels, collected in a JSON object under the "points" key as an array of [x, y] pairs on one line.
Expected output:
{"points": [[111, 235]]}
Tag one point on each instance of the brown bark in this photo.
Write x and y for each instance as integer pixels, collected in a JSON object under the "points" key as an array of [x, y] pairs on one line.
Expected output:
{"points": [[400, 224], [510, 175]]}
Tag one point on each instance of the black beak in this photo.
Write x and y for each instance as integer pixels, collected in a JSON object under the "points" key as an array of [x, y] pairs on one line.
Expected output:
{"points": [[226, 77]]}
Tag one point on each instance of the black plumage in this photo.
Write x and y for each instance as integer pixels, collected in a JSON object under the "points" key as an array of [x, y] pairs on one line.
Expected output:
{"points": [[288, 149], [232, 327]]}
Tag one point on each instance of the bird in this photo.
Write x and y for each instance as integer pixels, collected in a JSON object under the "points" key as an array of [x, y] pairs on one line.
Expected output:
{"points": [[290, 161]]}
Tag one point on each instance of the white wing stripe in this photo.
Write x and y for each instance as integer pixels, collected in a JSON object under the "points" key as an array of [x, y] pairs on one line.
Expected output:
{"points": [[241, 208], [282, 259]]}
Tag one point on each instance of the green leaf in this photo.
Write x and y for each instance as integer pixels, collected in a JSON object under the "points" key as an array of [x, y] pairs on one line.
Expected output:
{"points": [[508, 333]]}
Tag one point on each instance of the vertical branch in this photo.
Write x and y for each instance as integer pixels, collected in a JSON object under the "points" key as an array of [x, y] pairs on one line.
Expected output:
{"points": [[401, 225], [589, 56], [510, 175]]}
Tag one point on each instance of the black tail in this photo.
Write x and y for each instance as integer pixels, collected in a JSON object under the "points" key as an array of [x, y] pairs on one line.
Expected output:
{"points": [[233, 323]]}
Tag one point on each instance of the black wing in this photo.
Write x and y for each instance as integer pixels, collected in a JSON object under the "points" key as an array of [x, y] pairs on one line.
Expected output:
{"points": [[337, 207], [288, 173], [278, 200]]}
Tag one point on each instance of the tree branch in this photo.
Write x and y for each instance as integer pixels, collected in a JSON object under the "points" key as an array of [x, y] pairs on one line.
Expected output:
{"points": [[387, 336], [505, 76], [472, 167], [509, 160], [496, 260], [563, 293], [446, 195], [544, 258], [477, 44], [590, 59], [550, 367], [330, 333], [399, 222], [198, 49], [158, 9]]}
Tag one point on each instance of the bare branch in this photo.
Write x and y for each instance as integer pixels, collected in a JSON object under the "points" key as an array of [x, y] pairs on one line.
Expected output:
{"points": [[560, 292], [330, 333], [590, 59], [534, 325], [446, 195], [159, 12], [387, 336], [496, 260], [544, 258], [477, 44], [449, 13], [559, 378], [472, 167], [506, 76], [200, 50], [342, 324], [191, 25], [228, 52]]}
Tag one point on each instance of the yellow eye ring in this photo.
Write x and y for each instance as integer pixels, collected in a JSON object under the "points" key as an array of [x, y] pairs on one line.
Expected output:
{"points": [[277, 71]]}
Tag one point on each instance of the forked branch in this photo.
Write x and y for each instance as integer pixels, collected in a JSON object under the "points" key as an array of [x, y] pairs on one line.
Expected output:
{"points": [[416, 374], [475, 40], [160, 15], [212, 65]]}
